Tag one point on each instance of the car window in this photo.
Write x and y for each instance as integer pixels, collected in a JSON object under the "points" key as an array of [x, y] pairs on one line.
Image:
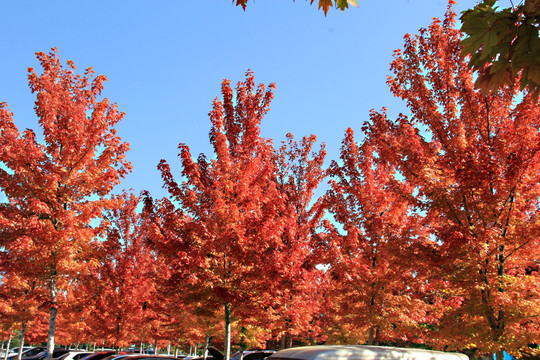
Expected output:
{"points": [[33, 352], [101, 356], [257, 356], [80, 356]]}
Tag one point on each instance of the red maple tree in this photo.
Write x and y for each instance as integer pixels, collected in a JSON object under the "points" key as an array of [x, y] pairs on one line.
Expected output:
{"points": [[125, 283], [374, 284], [187, 317], [227, 224], [297, 286], [474, 161], [55, 187], [19, 301]]}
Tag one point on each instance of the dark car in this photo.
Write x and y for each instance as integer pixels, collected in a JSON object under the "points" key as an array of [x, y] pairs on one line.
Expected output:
{"points": [[43, 354], [99, 355], [118, 356], [150, 357], [14, 351], [255, 354], [28, 353], [213, 354]]}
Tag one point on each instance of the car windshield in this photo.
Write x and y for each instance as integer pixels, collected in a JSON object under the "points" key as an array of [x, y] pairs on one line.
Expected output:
{"points": [[33, 352]]}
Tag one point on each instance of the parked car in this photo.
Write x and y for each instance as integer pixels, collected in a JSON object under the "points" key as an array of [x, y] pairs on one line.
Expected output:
{"points": [[15, 351], [57, 352], [136, 351], [213, 354], [362, 352], [255, 354], [118, 356], [99, 355], [32, 351], [74, 355], [150, 357]]}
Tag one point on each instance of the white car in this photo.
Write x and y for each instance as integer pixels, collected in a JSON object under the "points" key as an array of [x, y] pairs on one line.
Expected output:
{"points": [[362, 352], [74, 355]]}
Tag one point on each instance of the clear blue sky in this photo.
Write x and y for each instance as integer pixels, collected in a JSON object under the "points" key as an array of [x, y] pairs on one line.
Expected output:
{"points": [[165, 60]]}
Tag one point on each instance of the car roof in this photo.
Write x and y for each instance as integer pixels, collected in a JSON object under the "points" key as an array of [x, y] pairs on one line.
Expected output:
{"points": [[362, 352], [150, 356]]}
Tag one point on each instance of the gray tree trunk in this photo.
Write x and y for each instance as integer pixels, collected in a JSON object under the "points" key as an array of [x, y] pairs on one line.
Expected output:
{"points": [[373, 336], [53, 288], [227, 352], [50, 335], [21, 344], [205, 348], [7, 346]]}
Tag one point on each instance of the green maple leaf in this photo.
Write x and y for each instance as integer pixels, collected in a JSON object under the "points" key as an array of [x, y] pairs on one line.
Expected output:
{"points": [[342, 4]]}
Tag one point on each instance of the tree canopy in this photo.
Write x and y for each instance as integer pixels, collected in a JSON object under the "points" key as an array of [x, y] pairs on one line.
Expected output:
{"points": [[473, 159], [57, 187], [325, 5]]}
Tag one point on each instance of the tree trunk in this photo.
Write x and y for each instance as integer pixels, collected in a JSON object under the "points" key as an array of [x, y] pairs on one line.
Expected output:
{"points": [[21, 344], [499, 355], [227, 352], [208, 339], [7, 346], [2, 348], [371, 336], [286, 340], [53, 311], [50, 335]]}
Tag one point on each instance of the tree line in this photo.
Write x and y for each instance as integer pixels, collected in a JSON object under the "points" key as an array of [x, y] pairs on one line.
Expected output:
{"points": [[427, 234]]}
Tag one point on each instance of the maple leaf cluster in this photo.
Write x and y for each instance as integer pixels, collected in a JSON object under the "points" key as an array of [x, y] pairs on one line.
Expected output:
{"points": [[426, 233], [503, 44], [325, 5]]}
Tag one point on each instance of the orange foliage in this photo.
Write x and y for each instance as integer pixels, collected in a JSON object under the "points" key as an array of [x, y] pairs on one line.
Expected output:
{"points": [[474, 161], [55, 187]]}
